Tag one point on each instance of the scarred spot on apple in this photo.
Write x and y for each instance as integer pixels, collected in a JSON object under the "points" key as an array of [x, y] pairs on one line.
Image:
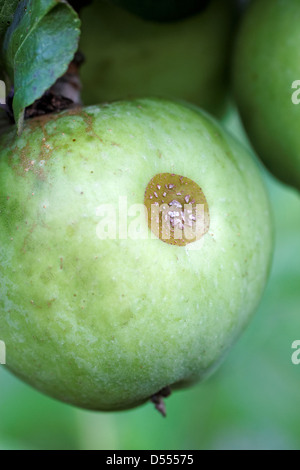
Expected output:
{"points": [[177, 209]]}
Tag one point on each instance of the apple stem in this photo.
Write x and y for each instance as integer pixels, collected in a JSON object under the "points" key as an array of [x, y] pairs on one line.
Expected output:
{"points": [[158, 400]]}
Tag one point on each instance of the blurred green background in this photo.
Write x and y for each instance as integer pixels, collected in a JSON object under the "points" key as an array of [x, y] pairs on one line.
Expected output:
{"points": [[251, 402]]}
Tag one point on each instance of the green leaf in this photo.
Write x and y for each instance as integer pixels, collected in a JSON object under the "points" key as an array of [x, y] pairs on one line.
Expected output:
{"points": [[38, 48], [7, 9]]}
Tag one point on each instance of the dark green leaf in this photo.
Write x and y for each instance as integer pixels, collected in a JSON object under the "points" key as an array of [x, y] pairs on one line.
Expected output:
{"points": [[7, 9], [38, 48]]}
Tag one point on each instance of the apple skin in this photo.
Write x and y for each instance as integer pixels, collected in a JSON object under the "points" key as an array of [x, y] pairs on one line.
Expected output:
{"points": [[265, 67], [127, 57], [105, 324], [162, 10]]}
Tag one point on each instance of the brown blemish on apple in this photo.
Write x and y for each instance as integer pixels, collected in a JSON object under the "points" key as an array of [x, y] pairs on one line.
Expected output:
{"points": [[45, 151], [88, 119], [27, 237], [50, 302], [38, 163], [180, 213]]}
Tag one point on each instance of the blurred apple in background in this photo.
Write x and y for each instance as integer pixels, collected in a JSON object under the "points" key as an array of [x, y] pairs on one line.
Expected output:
{"points": [[162, 10], [129, 57], [266, 79]]}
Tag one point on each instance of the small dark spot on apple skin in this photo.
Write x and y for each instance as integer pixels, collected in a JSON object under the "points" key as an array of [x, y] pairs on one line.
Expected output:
{"points": [[51, 302]]}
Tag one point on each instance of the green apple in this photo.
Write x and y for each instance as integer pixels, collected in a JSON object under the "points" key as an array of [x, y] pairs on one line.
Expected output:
{"points": [[127, 57], [267, 82], [98, 308], [162, 10]]}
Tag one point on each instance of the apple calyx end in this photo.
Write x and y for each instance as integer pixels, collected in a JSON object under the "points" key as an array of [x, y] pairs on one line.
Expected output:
{"points": [[158, 400]]}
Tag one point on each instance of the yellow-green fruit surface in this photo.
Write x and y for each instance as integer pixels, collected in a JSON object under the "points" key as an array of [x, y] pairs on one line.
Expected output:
{"points": [[106, 323]]}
